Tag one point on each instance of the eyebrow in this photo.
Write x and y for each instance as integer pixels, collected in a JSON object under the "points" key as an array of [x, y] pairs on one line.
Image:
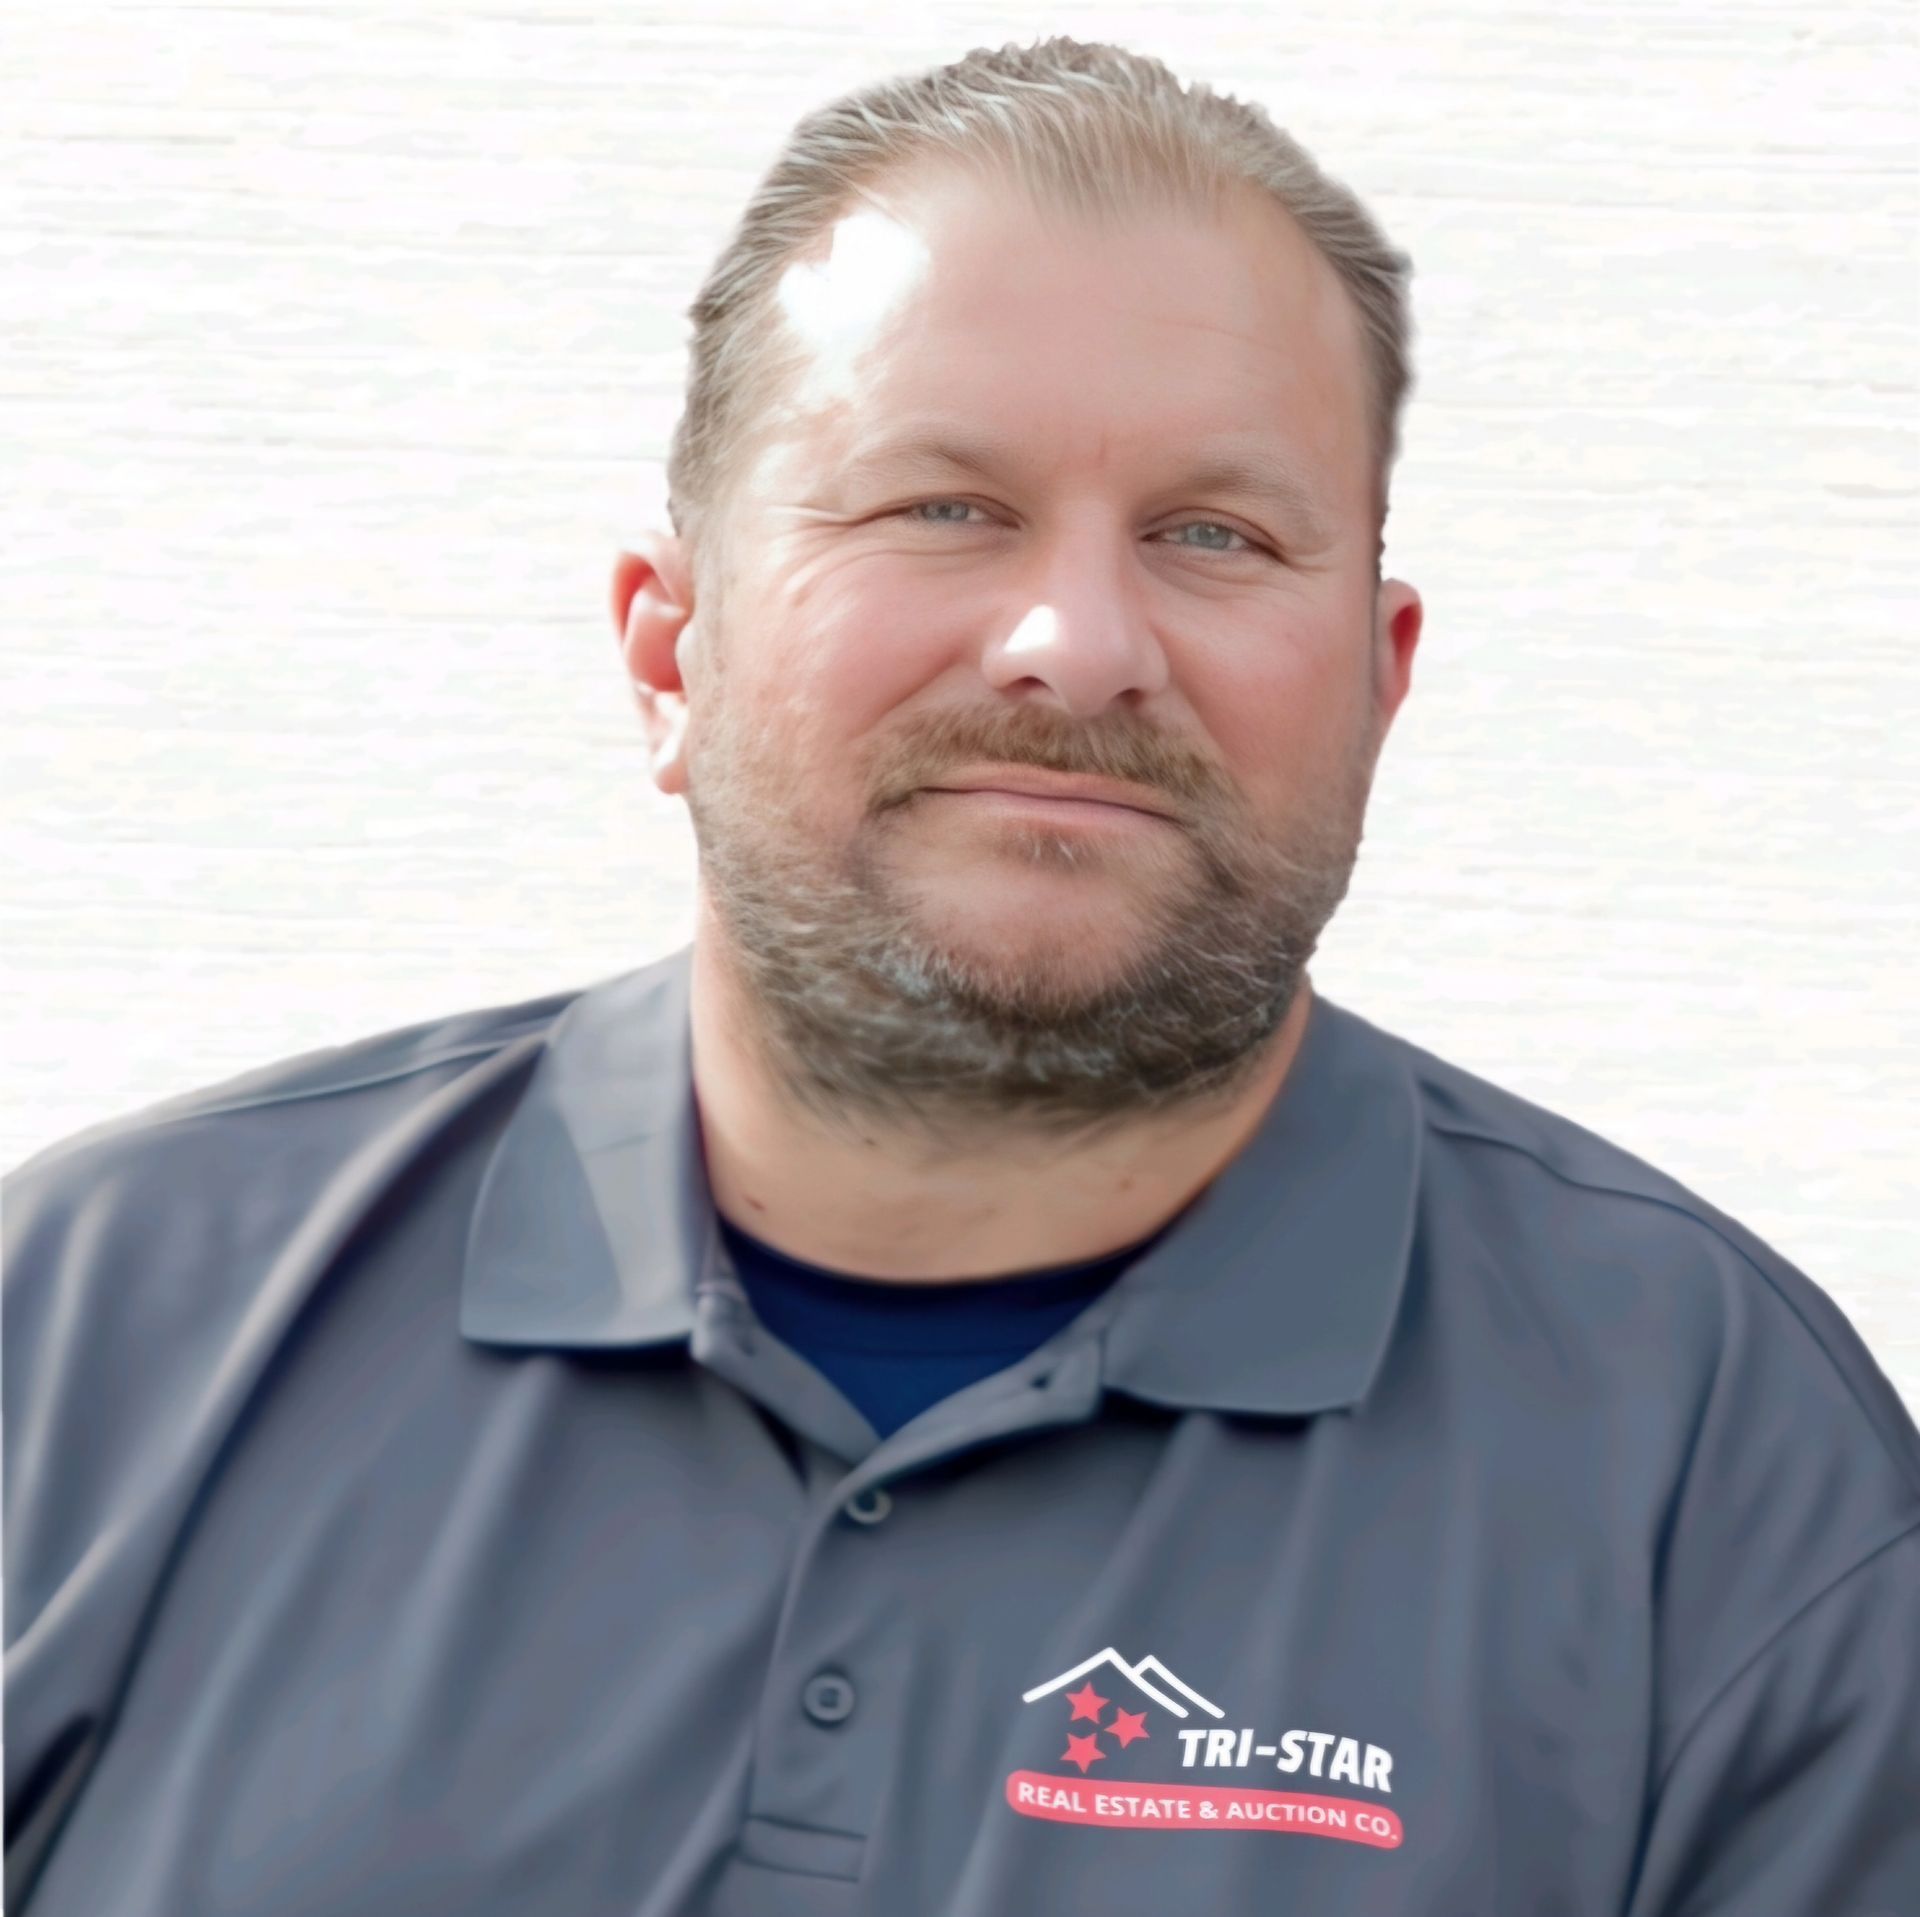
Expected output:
{"points": [[1250, 472]]}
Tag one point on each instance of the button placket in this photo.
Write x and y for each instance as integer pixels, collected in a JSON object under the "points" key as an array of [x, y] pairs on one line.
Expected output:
{"points": [[827, 1729]]}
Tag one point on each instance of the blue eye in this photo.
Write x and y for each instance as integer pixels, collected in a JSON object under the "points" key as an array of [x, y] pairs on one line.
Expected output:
{"points": [[1234, 532], [963, 504], [914, 511]]}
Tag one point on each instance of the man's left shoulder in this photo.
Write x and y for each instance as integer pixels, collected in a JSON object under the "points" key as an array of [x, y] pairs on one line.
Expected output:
{"points": [[1588, 1224], [1731, 1385]]}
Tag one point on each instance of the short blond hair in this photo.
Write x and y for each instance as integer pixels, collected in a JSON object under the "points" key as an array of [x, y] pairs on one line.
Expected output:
{"points": [[1091, 129]]}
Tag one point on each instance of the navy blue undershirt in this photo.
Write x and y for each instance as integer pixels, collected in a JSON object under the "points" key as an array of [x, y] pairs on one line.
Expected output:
{"points": [[895, 1347]]}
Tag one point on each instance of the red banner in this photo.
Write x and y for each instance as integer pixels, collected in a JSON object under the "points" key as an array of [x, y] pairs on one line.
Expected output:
{"points": [[1215, 1807]]}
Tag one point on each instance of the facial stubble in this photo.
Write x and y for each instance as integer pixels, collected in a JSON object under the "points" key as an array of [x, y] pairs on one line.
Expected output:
{"points": [[864, 1014]]}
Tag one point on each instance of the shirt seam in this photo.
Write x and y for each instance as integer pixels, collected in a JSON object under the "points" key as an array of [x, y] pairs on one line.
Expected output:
{"points": [[1902, 1464], [185, 1107], [1908, 1523], [293, 1093], [806, 1830]]}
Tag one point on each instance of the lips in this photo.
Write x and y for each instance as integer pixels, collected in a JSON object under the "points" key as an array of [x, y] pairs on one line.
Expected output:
{"points": [[1033, 784], [1053, 805]]}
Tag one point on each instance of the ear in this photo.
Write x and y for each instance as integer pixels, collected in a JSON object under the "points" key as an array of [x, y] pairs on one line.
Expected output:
{"points": [[652, 603], [1397, 617]]}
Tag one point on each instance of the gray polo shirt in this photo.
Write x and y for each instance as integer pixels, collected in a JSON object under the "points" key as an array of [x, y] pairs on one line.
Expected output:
{"points": [[405, 1513]]}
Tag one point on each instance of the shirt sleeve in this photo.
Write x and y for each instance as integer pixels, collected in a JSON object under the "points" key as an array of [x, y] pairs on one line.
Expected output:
{"points": [[128, 1274], [77, 1552], [1796, 1790]]}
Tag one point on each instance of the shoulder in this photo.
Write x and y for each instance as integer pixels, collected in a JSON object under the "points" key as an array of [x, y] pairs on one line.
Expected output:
{"points": [[212, 1141], [162, 1196], [150, 1259], [1734, 1408], [1592, 1227], [390, 1057]]}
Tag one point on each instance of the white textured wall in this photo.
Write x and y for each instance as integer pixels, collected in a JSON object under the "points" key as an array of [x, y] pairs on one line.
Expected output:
{"points": [[341, 346]]}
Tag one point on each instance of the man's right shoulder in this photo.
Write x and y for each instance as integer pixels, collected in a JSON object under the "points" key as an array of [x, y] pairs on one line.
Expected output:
{"points": [[205, 1121], [183, 1197], [143, 1253]]}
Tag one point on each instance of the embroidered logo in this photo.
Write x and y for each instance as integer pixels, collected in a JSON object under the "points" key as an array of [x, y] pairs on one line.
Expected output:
{"points": [[1126, 1742]]}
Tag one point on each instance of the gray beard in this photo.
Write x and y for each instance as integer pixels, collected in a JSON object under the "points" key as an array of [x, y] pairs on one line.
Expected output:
{"points": [[862, 1016]]}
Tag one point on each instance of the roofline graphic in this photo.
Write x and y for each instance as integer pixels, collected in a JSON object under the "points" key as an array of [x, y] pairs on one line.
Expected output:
{"points": [[1135, 1674]]}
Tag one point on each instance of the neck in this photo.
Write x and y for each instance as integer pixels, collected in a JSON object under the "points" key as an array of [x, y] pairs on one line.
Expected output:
{"points": [[877, 1199]]}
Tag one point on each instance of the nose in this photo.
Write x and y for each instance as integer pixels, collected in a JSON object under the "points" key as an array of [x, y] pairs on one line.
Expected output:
{"points": [[1084, 636]]}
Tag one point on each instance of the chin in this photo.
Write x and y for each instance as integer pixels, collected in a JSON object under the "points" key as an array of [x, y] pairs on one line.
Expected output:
{"points": [[1008, 931]]}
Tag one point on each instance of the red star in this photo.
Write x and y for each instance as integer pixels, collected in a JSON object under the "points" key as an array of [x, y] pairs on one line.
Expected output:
{"points": [[1083, 1751], [1127, 1725], [1086, 1702]]}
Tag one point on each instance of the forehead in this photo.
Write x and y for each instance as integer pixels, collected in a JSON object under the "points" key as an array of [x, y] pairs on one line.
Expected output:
{"points": [[1081, 345]]}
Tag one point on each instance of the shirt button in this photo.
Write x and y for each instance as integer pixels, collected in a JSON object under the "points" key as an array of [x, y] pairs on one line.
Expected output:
{"points": [[828, 1698], [868, 1506]]}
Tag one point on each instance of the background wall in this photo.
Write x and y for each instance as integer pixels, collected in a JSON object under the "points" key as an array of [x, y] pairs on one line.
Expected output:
{"points": [[342, 350]]}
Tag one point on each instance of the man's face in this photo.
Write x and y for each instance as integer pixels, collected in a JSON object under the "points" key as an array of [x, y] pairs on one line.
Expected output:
{"points": [[898, 627]]}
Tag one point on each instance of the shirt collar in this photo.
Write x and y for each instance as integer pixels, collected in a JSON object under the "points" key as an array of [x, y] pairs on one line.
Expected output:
{"points": [[1275, 1291]]}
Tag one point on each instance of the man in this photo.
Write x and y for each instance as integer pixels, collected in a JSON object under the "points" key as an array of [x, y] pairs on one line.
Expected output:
{"points": [[972, 1389]]}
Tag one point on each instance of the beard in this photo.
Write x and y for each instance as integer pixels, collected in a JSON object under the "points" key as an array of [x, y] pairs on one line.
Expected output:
{"points": [[862, 1010]]}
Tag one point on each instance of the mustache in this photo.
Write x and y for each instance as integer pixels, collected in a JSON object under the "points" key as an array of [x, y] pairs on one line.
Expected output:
{"points": [[1107, 748]]}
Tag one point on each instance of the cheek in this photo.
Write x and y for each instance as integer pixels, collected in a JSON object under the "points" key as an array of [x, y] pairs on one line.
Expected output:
{"points": [[865, 673], [803, 714], [846, 680], [1282, 715]]}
